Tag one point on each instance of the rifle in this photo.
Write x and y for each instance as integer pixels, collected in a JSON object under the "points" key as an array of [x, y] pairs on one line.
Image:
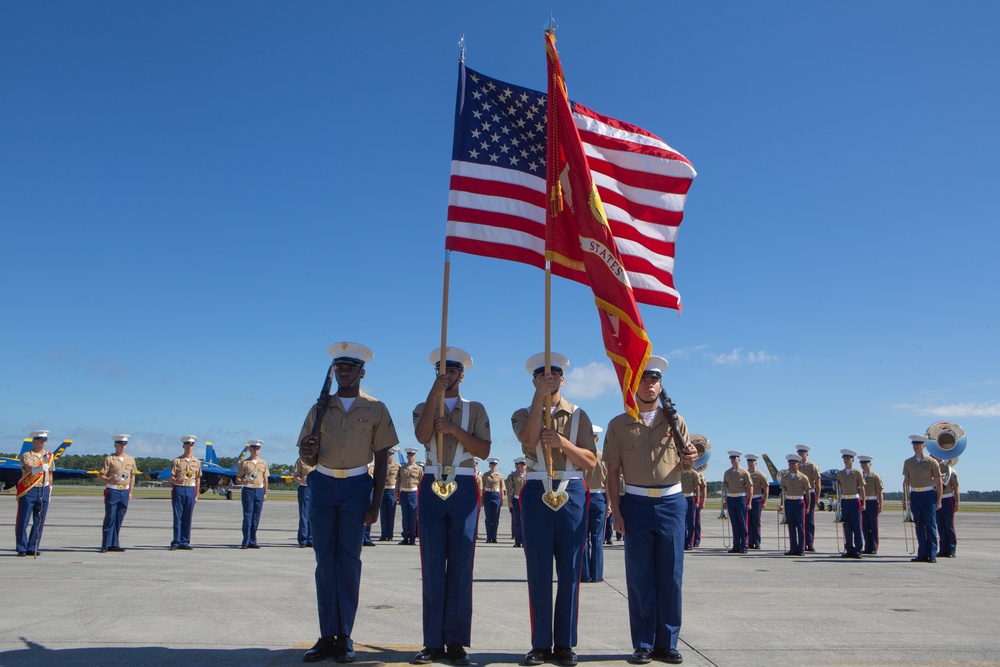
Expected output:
{"points": [[675, 429], [322, 403]]}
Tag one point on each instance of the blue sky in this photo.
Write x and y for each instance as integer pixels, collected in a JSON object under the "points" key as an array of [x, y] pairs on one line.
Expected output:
{"points": [[198, 198]]}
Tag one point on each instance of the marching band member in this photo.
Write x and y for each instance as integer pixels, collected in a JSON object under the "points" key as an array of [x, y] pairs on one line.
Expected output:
{"points": [[922, 476], [810, 470], [33, 491], [702, 497], [691, 490], [946, 513], [448, 507], [759, 502], [354, 428], [739, 489], [387, 512], [252, 476], [493, 488], [300, 475], [185, 481], [650, 456], [118, 475], [407, 482], [794, 495], [553, 509], [852, 499], [597, 512], [515, 482], [873, 505]]}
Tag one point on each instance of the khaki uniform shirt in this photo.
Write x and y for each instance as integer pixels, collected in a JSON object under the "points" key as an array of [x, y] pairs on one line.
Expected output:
{"points": [[515, 483], [690, 482], [302, 470], [349, 439], [562, 421], [597, 477], [923, 473], [408, 478], [647, 454], [851, 481], [952, 485], [188, 470], [702, 482], [759, 482], [737, 481], [810, 470], [257, 467], [873, 485], [116, 467], [479, 426], [31, 459], [492, 481], [798, 485], [391, 473]]}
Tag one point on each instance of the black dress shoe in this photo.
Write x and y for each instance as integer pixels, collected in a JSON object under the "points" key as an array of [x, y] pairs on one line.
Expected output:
{"points": [[668, 655], [810, 549], [116, 549], [323, 649], [734, 550], [102, 550], [428, 655], [185, 547], [640, 656], [457, 654], [743, 551], [536, 656], [173, 547], [918, 559], [22, 554], [564, 655], [403, 543], [369, 543], [344, 649], [930, 559]]}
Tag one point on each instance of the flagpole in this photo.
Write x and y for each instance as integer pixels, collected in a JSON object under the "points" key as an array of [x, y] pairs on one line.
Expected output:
{"points": [[548, 360], [442, 367]]}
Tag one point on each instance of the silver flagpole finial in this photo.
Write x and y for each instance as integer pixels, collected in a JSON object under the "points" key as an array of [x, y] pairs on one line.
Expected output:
{"points": [[551, 27], [461, 48]]}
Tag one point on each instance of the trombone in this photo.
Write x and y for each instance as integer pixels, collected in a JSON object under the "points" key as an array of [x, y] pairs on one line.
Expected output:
{"points": [[909, 533], [727, 540], [838, 523], [782, 522]]}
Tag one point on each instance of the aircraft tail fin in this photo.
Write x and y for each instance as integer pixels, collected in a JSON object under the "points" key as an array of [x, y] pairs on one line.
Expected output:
{"points": [[245, 453], [770, 468], [25, 447], [210, 456], [61, 449]]}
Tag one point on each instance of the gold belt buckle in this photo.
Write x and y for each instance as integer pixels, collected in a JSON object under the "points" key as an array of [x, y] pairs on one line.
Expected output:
{"points": [[340, 473], [654, 493]]}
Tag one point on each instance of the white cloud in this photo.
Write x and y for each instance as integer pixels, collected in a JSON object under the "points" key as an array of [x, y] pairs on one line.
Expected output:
{"points": [[591, 381], [739, 357], [986, 409]]}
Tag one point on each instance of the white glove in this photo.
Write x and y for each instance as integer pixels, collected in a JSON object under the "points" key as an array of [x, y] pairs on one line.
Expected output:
{"points": [[36, 469], [45, 467]]}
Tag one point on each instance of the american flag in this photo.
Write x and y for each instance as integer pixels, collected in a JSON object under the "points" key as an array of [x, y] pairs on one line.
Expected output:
{"points": [[497, 199]]}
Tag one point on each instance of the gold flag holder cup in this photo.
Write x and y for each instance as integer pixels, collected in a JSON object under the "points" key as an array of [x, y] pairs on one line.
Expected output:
{"points": [[442, 488]]}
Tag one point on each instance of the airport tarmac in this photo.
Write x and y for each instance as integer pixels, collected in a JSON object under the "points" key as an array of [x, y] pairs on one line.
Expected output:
{"points": [[219, 605]]}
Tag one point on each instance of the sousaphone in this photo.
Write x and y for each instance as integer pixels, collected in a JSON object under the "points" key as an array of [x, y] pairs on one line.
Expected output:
{"points": [[945, 440]]}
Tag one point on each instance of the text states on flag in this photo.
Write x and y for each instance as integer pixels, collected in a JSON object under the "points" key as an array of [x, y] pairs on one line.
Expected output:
{"points": [[577, 225]]}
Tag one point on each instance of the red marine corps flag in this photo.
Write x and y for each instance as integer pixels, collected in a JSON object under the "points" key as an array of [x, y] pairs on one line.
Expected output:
{"points": [[578, 236]]}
